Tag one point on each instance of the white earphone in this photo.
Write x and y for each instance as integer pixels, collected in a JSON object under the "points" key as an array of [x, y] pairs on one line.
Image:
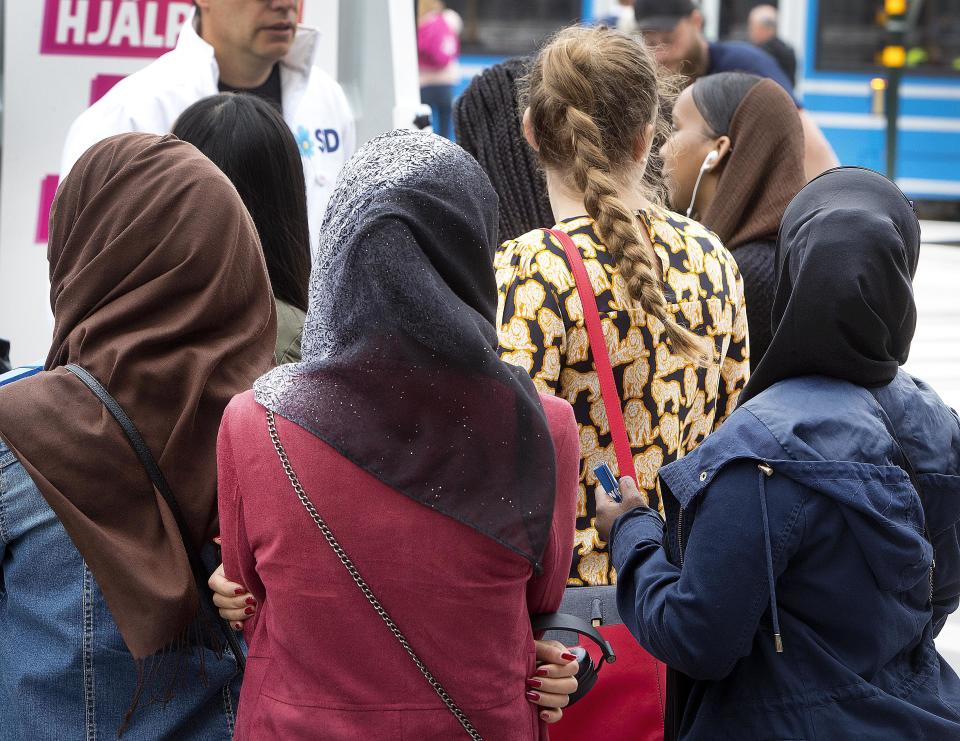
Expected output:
{"points": [[708, 162]]}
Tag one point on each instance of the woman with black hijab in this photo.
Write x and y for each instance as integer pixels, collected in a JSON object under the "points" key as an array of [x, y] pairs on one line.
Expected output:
{"points": [[811, 552], [444, 476]]}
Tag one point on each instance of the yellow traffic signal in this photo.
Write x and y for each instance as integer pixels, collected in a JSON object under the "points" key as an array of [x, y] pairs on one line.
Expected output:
{"points": [[894, 56], [895, 7]]}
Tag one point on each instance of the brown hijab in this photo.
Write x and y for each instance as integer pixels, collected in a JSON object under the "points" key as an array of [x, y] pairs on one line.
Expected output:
{"points": [[159, 289], [764, 170]]}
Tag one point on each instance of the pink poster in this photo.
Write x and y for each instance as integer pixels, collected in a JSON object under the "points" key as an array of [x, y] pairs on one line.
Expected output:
{"points": [[101, 85], [112, 28], [48, 189]]}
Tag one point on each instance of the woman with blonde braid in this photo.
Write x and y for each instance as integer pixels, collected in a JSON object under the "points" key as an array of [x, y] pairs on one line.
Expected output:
{"points": [[672, 306]]}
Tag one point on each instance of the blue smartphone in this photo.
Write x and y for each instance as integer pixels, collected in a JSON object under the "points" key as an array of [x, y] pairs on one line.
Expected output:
{"points": [[608, 481]]}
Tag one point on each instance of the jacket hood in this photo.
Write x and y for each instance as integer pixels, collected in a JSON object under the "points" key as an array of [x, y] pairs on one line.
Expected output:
{"points": [[828, 436]]}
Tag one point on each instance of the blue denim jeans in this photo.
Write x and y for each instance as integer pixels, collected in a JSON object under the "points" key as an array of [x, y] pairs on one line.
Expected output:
{"points": [[65, 672], [440, 100]]}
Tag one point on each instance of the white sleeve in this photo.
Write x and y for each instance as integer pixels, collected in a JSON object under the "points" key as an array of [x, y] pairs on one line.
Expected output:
{"points": [[93, 125], [349, 126]]}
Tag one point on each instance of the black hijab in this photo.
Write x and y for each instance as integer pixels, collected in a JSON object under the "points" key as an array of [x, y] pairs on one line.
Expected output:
{"points": [[847, 252], [400, 372]]}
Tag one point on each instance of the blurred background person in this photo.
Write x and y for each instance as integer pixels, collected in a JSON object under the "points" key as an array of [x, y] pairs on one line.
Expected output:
{"points": [[487, 122], [415, 488], [247, 138], [159, 291], [812, 554], [734, 161], [253, 46], [438, 54], [762, 32], [662, 284], [674, 30], [620, 17]]}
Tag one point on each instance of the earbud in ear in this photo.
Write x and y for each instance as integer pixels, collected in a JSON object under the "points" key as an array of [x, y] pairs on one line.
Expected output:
{"points": [[708, 162]]}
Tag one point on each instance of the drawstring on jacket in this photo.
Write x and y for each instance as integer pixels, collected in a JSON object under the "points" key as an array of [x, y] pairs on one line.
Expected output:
{"points": [[766, 472]]}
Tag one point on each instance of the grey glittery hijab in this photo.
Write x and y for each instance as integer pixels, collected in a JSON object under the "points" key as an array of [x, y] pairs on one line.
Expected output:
{"points": [[400, 372]]}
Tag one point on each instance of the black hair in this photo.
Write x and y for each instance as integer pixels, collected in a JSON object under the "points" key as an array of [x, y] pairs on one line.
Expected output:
{"points": [[488, 125], [717, 97], [247, 138]]}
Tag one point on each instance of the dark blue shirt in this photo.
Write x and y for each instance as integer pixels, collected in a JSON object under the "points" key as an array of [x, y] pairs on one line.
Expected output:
{"points": [[737, 56]]}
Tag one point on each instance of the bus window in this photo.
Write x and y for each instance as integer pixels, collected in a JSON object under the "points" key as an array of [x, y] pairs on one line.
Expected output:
{"points": [[850, 36], [509, 27]]}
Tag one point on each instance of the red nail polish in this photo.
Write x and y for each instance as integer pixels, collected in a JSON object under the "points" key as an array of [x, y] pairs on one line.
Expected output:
{"points": [[542, 672], [534, 683], [544, 715], [249, 611], [533, 696], [239, 591], [238, 626], [568, 657], [251, 601]]}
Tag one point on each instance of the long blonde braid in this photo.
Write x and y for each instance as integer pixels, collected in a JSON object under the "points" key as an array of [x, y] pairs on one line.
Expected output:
{"points": [[591, 92]]}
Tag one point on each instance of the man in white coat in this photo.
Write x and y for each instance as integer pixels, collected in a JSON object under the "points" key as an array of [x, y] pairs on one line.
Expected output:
{"points": [[253, 46]]}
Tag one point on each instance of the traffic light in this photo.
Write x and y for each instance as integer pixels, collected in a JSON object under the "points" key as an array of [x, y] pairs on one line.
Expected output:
{"points": [[895, 7], [893, 56]]}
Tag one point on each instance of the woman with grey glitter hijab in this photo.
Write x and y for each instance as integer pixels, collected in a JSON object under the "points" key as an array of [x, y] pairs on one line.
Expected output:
{"points": [[442, 473]]}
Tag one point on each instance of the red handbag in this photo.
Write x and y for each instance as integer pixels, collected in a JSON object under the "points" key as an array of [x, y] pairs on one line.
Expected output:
{"points": [[627, 701]]}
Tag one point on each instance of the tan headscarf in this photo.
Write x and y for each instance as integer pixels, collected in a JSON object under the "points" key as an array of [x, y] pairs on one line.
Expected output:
{"points": [[764, 170], [159, 289]]}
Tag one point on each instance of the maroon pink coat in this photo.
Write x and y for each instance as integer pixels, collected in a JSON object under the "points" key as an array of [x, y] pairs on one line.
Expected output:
{"points": [[322, 664]]}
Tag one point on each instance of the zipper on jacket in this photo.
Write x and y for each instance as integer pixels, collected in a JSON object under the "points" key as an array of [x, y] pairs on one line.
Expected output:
{"points": [[680, 535]]}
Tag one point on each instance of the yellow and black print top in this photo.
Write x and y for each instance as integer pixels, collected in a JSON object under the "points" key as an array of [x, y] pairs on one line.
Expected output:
{"points": [[669, 404]]}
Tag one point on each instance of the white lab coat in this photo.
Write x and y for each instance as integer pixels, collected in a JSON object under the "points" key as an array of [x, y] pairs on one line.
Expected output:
{"points": [[150, 100]]}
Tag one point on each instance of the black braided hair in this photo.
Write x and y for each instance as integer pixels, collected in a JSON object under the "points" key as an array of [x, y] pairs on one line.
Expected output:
{"points": [[488, 125]]}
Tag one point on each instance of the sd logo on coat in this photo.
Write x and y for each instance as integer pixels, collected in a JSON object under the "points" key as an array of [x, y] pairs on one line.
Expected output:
{"points": [[328, 140]]}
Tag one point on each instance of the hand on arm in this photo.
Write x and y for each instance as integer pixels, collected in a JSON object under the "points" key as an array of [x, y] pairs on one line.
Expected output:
{"points": [[555, 680], [234, 603]]}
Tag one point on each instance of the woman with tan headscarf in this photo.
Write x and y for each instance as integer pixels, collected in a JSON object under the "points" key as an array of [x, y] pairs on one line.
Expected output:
{"points": [[734, 162], [159, 291]]}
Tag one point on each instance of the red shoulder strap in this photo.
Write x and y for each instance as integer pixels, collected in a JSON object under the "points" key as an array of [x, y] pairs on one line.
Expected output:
{"points": [[601, 357]]}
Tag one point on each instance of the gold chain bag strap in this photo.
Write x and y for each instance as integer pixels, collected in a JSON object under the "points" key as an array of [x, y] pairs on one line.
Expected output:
{"points": [[363, 586]]}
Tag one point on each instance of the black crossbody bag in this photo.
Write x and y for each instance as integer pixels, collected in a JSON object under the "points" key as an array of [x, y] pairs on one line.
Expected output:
{"points": [[156, 476]]}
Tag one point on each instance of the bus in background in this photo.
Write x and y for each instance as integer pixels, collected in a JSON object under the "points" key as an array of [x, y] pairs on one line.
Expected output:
{"points": [[838, 46]]}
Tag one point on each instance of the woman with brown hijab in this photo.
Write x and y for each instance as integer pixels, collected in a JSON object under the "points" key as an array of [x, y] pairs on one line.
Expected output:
{"points": [[734, 162], [159, 291]]}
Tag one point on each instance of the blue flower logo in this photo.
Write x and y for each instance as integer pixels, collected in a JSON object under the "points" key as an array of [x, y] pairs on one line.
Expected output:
{"points": [[305, 142]]}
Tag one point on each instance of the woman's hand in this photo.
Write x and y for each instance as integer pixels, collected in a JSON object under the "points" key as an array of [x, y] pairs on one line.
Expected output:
{"points": [[555, 679], [232, 600], [608, 510]]}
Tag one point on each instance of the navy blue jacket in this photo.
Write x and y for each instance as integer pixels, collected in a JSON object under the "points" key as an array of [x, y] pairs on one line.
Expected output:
{"points": [[794, 523]]}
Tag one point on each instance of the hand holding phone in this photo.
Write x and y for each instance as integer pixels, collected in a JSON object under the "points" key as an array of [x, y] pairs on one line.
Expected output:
{"points": [[608, 481]]}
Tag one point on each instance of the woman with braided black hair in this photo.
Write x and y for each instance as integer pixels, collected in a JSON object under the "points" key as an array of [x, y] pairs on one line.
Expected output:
{"points": [[487, 124]]}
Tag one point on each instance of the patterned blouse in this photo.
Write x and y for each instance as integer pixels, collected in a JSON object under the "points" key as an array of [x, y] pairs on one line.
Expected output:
{"points": [[669, 404]]}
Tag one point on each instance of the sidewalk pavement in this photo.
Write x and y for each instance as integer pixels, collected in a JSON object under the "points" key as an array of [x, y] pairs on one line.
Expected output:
{"points": [[935, 355]]}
